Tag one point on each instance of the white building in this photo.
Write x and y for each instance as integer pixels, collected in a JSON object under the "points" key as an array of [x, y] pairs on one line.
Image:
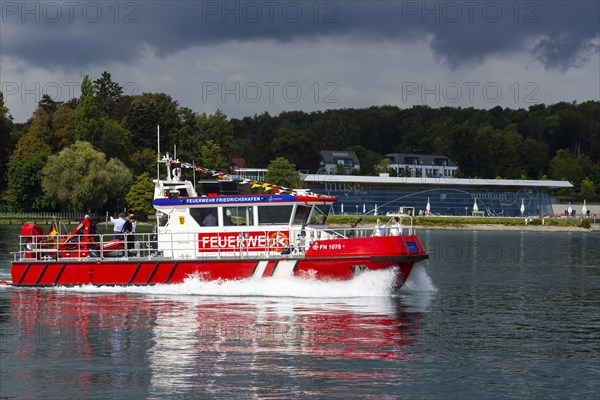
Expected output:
{"points": [[330, 160], [417, 165]]}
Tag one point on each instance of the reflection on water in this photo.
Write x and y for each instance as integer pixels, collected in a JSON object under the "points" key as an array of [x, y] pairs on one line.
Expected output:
{"points": [[510, 315], [166, 344]]}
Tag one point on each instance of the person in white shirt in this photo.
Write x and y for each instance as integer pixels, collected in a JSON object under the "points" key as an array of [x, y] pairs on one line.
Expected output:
{"points": [[396, 228], [118, 226], [378, 231]]}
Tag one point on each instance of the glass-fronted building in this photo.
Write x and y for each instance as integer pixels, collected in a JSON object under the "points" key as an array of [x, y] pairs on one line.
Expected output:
{"points": [[446, 196]]}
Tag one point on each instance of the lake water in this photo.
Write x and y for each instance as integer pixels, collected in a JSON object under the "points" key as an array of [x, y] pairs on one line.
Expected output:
{"points": [[506, 315]]}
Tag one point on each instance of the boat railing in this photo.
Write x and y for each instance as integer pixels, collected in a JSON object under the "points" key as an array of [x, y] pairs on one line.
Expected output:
{"points": [[282, 242], [361, 231], [177, 245]]}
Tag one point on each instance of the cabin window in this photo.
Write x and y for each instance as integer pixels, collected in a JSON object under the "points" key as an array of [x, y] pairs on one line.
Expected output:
{"points": [[319, 214], [301, 216], [205, 216], [162, 219], [240, 216], [274, 215]]}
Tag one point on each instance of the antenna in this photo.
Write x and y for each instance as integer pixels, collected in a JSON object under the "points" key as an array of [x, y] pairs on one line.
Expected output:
{"points": [[194, 173], [158, 155]]}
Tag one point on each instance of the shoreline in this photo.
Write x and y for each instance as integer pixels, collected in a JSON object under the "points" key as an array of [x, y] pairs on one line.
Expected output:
{"points": [[488, 227], [496, 227]]}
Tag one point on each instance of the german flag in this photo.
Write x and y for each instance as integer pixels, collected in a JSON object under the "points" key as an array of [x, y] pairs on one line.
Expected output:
{"points": [[52, 230]]}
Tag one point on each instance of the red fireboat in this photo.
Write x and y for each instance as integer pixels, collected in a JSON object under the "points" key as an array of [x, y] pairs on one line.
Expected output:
{"points": [[224, 232]]}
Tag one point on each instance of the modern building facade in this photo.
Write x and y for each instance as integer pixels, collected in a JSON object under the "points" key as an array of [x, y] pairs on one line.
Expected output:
{"points": [[445, 196]]}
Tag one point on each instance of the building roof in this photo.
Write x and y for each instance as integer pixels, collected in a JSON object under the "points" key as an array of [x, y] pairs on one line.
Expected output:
{"points": [[422, 159], [239, 162], [440, 181], [329, 157]]}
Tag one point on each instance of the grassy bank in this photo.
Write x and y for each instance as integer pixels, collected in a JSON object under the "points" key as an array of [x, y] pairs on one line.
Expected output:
{"points": [[469, 222]]}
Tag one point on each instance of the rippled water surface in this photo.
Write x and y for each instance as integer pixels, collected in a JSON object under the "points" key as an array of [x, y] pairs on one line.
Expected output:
{"points": [[508, 315]]}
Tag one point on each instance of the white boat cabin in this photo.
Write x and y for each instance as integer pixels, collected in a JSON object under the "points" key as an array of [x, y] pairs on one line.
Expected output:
{"points": [[224, 218]]}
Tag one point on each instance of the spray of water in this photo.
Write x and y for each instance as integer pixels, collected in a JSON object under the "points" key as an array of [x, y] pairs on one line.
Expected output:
{"points": [[418, 282], [367, 284]]}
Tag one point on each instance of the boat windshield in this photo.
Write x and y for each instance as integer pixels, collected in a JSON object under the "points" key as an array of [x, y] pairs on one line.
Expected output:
{"points": [[319, 214], [270, 215], [301, 216]]}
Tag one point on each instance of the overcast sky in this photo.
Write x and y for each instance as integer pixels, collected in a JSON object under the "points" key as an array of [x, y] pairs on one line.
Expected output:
{"points": [[247, 57]]}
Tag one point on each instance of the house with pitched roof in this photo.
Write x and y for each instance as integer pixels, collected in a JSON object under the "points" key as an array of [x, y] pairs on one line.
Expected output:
{"points": [[416, 165], [331, 160]]}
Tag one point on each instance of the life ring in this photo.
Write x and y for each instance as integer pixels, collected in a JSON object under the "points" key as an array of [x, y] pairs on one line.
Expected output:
{"points": [[279, 241]]}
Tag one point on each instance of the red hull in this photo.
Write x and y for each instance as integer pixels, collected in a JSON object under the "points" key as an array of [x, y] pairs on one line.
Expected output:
{"points": [[326, 260], [163, 272]]}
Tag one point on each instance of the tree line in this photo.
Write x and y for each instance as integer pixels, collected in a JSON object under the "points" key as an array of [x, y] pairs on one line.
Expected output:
{"points": [[98, 151]]}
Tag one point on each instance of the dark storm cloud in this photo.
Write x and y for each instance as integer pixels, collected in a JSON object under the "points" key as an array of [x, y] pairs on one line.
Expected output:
{"points": [[559, 34]]}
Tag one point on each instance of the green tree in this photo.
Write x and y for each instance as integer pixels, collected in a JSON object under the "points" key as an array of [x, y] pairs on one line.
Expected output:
{"points": [[144, 160], [88, 126], [503, 148], [588, 189], [114, 140], [40, 125], [49, 105], [145, 112], [63, 121], [25, 176], [212, 157], [6, 128], [141, 194], [79, 178], [283, 173], [569, 131], [384, 166], [217, 128], [335, 130], [534, 155], [566, 166], [368, 159], [107, 93], [265, 128], [298, 146], [186, 136]]}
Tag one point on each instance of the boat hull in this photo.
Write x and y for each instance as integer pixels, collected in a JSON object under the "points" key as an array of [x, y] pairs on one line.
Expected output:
{"points": [[331, 259], [153, 272]]}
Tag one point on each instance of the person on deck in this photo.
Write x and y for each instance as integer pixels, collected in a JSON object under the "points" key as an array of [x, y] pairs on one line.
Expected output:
{"points": [[118, 226], [210, 220], [396, 228], [133, 222], [378, 230], [128, 231], [133, 238]]}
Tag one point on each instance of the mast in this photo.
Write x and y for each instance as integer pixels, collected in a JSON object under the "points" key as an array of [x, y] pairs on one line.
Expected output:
{"points": [[158, 155]]}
